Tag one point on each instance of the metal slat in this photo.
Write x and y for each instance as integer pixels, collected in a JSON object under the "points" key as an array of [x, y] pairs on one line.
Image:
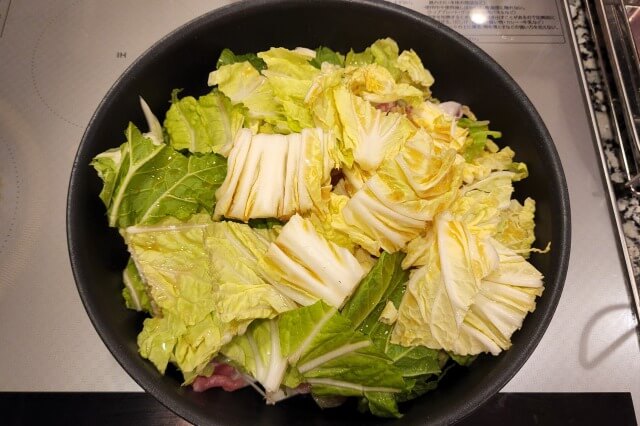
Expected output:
{"points": [[623, 56], [615, 110]]}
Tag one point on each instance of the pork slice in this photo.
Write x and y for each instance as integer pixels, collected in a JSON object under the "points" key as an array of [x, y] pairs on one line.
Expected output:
{"points": [[224, 376]]}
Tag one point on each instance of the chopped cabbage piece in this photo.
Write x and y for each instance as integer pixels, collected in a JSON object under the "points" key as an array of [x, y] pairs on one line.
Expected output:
{"points": [[394, 205], [307, 267], [470, 302], [275, 176]]}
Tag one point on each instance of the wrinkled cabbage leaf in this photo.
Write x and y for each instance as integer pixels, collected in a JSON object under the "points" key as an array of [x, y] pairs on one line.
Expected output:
{"points": [[324, 54], [385, 284], [203, 278], [290, 75], [369, 134], [275, 176], [470, 296], [135, 291], [393, 206], [208, 124], [227, 57], [144, 182], [174, 264], [244, 84], [314, 345], [241, 287], [306, 267]]}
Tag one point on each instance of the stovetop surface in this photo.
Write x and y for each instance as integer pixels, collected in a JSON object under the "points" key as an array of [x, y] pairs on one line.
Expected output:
{"points": [[57, 61]]}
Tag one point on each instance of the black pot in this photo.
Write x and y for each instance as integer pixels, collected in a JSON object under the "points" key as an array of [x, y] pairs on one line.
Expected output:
{"points": [[184, 58]]}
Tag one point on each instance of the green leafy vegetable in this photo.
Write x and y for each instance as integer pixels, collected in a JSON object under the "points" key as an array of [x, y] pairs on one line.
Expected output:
{"points": [[156, 133], [493, 160], [463, 360], [242, 83], [290, 75], [204, 125], [498, 185], [385, 52], [319, 221], [374, 291], [395, 204], [227, 57], [144, 182], [485, 203], [374, 225], [107, 165], [479, 133], [420, 386], [135, 291], [205, 280], [241, 287], [258, 352], [440, 294], [410, 63], [331, 223], [516, 227], [368, 133], [359, 59], [275, 176], [383, 284], [374, 83], [315, 345], [470, 296], [298, 265], [324, 54], [381, 404], [440, 125], [173, 262]]}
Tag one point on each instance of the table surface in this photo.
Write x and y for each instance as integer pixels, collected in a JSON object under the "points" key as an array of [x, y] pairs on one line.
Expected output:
{"points": [[57, 61]]}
